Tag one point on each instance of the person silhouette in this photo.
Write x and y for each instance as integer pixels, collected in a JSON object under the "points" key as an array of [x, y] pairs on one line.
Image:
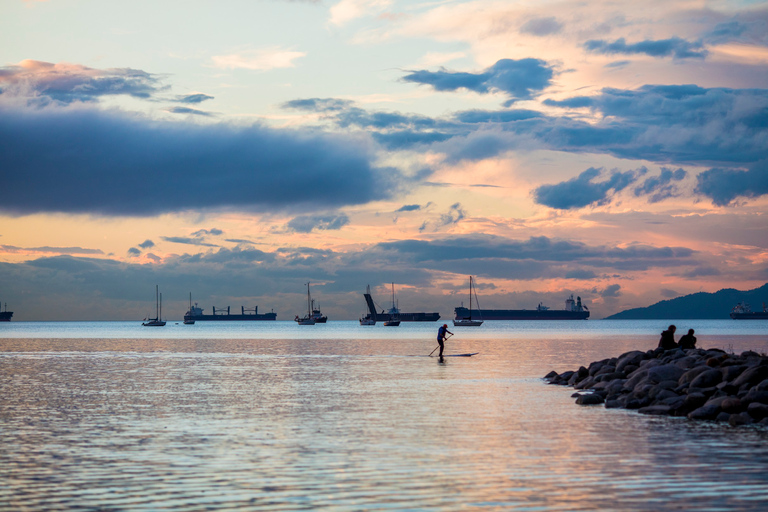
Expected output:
{"points": [[667, 340], [441, 332], [688, 340]]}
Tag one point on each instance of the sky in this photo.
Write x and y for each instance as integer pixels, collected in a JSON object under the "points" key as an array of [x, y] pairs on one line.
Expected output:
{"points": [[238, 150]]}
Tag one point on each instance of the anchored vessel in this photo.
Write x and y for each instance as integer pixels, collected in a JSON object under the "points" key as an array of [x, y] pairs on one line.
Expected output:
{"points": [[157, 321], [307, 319], [574, 310], [221, 314], [742, 311], [468, 321], [5, 316], [393, 313]]}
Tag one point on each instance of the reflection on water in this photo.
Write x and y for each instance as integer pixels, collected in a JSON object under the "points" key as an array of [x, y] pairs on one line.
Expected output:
{"points": [[349, 425]]}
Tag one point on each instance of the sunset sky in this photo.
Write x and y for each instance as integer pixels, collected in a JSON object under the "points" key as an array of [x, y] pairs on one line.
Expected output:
{"points": [[238, 149]]}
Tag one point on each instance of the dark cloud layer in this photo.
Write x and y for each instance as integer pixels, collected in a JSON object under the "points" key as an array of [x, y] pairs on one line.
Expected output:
{"points": [[583, 190], [725, 185], [675, 47], [86, 161], [661, 187], [67, 83], [309, 223], [520, 79]]}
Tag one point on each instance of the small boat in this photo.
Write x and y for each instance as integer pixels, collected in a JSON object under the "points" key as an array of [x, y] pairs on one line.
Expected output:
{"points": [[5, 316], [188, 317], [367, 321], [394, 313], [308, 319], [317, 315], [468, 322], [156, 322]]}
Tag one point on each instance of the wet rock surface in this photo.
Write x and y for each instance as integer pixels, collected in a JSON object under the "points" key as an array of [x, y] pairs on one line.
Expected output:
{"points": [[695, 383]]}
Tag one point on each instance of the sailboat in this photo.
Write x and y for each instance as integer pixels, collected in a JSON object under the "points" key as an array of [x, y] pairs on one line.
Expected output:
{"points": [[308, 319], [394, 313], [468, 322], [189, 321], [156, 322]]}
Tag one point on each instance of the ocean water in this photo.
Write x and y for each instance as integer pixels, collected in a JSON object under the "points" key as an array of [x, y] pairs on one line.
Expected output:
{"points": [[276, 416]]}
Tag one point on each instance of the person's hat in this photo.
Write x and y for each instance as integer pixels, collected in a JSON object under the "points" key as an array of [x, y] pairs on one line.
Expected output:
{"points": [[445, 325]]}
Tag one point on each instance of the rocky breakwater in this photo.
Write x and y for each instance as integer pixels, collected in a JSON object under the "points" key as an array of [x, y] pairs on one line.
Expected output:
{"points": [[695, 383]]}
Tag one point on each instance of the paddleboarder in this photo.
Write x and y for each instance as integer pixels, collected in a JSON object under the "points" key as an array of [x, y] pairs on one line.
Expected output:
{"points": [[441, 332]]}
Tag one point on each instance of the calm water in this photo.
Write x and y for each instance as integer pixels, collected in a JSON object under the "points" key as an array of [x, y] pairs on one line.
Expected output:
{"points": [[274, 416]]}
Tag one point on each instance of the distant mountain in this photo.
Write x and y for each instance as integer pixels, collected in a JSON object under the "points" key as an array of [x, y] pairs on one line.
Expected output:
{"points": [[697, 305]]}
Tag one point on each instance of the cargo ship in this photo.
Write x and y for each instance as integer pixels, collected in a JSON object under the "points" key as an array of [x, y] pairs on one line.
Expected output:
{"points": [[574, 310], [5, 316], [742, 311], [195, 313], [393, 314]]}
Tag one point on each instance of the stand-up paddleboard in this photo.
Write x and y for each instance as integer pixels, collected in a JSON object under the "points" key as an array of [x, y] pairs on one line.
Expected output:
{"points": [[459, 355]]}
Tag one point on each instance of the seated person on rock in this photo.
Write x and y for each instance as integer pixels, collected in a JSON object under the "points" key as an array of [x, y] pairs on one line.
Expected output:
{"points": [[688, 340], [667, 341]]}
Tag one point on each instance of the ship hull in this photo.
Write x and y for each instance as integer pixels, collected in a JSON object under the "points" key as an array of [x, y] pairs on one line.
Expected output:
{"points": [[520, 314], [755, 315], [405, 317], [5, 316], [233, 318]]}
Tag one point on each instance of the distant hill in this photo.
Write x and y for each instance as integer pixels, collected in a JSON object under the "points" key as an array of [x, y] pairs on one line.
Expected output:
{"points": [[697, 305]]}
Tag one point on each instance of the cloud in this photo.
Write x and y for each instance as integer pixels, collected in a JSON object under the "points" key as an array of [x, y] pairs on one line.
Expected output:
{"points": [[661, 187], [133, 251], [309, 223], [318, 104], [212, 231], [611, 291], [675, 47], [409, 208], [724, 186], [347, 10], [542, 26], [88, 161], [187, 110], [258, 60], [48, 249], [188, 241], [520, 79], [147, 244], [193, 98], [64, 83], [583, 191]]}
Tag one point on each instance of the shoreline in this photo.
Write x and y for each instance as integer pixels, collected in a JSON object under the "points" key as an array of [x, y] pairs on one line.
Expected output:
{"points": [[700, 384]]}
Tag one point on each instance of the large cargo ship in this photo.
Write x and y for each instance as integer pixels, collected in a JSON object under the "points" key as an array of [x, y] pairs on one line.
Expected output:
{"points": [[248, 314], [5, 316], [574, 310], [393, 313], [742, 311]]}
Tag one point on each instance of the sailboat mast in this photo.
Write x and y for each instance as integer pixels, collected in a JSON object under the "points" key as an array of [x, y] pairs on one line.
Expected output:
{"points": [[160, 312], [157, 302], [309, 308]]}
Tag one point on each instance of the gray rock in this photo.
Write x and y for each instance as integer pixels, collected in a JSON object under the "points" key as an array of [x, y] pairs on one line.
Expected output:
{"points": [[705, 412], [756, 395], [732, 372], [723, 416], [635, 378], [656, 410], [687, 362], [757, 410], [763, 386], [612, 404], [632, 358], [691, 402], [752, 376], [664, 394], [732, 405], [691, 374], [741, 418], [551, 375], [665, 372], [586, 383], [707, 379], [591, 399]]}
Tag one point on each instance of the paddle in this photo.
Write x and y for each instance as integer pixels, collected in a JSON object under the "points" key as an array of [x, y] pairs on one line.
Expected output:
{"points": [[437, 347]]}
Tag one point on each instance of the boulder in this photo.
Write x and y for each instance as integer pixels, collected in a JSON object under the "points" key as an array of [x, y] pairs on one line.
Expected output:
{"points": [[591, 399], [757, 410], [664, 394], [551, 375], [691, 402], [756, 395], [723, 416], [632, 358], [751, 376], [705, 412], [687, 362], [665, 372], [656, 410], [732, 372], [707, 379], [731, 405], [741, 418], [691, 374]]}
